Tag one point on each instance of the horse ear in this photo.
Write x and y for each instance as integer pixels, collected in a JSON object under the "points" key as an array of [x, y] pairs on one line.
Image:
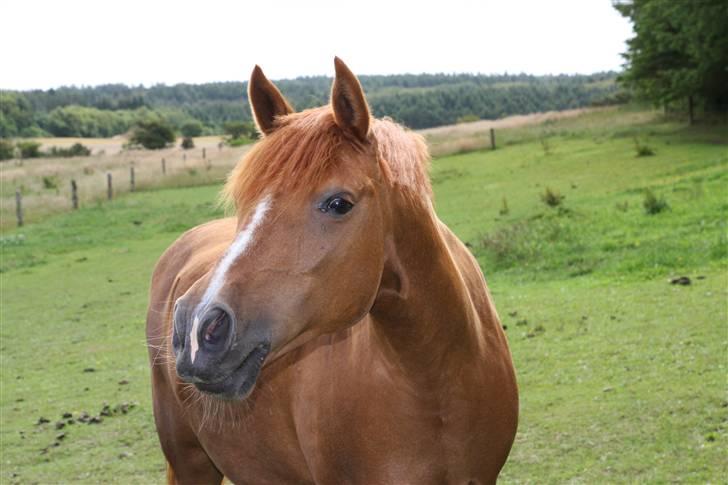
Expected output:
{"points": [[266, 101], [351, 111]]}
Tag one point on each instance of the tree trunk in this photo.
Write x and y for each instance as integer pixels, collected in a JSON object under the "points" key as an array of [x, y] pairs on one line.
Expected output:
{"points": [[691, 115]]}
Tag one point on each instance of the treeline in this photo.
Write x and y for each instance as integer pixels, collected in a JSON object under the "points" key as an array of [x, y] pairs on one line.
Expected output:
{"points": [[418, 101], [679, 54]]}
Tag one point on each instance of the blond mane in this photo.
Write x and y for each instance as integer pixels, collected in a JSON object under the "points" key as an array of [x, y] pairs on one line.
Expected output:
{"points": [[305, 147]]}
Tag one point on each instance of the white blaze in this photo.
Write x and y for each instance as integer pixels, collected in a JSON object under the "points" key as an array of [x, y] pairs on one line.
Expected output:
{"points": [[194, 345], [240, 245]]}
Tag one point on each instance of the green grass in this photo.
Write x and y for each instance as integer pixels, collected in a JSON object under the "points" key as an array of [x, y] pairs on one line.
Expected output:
{"points": [[622, 375]]}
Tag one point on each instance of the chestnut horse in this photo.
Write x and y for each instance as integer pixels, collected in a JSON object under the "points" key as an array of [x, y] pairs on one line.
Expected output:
{"points": [[334, 331]]}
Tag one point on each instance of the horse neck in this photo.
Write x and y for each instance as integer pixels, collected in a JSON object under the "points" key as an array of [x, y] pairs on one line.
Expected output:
{"points": [[424, 314]]}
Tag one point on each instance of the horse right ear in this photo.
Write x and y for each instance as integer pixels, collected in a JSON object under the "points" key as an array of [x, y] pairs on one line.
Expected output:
{"points": [[266, 101]]}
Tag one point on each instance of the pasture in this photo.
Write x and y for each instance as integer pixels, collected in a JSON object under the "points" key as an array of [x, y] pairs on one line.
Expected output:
{"points": [[622, 374]]}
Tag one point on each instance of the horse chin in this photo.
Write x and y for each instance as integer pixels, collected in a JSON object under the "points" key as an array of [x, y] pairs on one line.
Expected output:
{"points": [[240, 383]]}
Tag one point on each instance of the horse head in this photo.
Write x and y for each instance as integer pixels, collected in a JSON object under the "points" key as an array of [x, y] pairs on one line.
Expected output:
{"points": [[309, 252]]}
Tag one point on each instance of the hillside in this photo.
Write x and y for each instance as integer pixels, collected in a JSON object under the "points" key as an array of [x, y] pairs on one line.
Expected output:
{"points": [[418, 101]]}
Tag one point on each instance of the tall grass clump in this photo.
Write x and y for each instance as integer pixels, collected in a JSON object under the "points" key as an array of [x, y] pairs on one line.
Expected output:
{"points": [[552, 197], [642, 149], [653, 204]]}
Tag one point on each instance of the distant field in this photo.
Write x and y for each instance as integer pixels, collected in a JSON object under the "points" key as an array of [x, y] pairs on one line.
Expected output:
{"points": [[622, 374], [45, 182]]}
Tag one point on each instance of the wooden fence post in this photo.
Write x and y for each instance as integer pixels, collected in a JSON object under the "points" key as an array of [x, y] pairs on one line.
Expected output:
{"points": [[204, 153], [164, 167], [109, 189], [74, 194], [492, 139], [184, 157], [19, 207], [132, 182]]}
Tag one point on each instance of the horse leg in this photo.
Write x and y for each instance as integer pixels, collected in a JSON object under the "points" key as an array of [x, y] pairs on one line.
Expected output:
{"points": [[187, 461], [172, 478]]}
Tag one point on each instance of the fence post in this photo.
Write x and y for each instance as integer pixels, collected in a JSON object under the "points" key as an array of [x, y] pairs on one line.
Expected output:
{"points": [[164, 167], [492, 139], [131, 178], [109, 189], [74, 194], [184, 157], [203, 153], [19, 207]]}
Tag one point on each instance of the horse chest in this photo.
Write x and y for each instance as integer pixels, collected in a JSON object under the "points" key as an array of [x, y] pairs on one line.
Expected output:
{"points": [[346, 423]]}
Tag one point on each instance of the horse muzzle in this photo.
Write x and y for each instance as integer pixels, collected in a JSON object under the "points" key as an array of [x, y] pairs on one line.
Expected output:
{"points": [[212, 354]]}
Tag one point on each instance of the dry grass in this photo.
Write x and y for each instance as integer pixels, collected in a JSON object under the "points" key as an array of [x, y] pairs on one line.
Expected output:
{"points": [[465, 137], [183, 168]]}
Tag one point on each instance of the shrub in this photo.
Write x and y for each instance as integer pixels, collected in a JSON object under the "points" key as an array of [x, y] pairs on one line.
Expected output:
{"points": [[652, 204], [552, 198], [76, 150], [7, 150], [237, 129], [642, 150], [236, 142], [152, 134], [29, 149], [187, 143], [191, 129], [50, 182]]}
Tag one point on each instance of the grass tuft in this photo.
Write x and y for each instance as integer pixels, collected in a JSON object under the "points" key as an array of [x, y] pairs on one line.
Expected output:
{"points": [[552, 198], [653, 204]]}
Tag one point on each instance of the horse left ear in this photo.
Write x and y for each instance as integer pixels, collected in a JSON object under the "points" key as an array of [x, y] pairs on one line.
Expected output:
{"points": [[351, 111], [266, 102]]}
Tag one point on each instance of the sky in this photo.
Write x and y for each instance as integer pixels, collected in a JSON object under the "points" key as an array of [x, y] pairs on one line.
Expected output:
{"points": [[51, 43]]}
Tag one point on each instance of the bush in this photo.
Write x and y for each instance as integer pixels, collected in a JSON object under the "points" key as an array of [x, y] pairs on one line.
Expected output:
{"points": [[236, 142], [7, 150], [76, 150], [29, 149], [191, 129], [237, 129], [642, 150], [50, 182], [187, 143], [652, 204], [152, 134], [552, 198]]}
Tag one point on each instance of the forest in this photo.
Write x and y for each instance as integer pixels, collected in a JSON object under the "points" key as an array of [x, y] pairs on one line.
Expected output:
{"points": [[418, 101]]}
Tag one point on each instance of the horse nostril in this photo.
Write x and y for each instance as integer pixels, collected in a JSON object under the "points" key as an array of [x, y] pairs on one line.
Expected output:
{"points": [[217, 327]]}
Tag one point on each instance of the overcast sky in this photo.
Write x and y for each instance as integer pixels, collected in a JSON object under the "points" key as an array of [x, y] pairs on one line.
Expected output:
{"points": [[49, 43]]}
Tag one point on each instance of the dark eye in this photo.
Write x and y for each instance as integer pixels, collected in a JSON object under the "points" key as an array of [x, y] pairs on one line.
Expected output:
{"points": [[337, 205]]}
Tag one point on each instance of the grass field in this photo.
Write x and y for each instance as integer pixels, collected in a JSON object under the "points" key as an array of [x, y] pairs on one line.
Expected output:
{"points": [[622, 374]]}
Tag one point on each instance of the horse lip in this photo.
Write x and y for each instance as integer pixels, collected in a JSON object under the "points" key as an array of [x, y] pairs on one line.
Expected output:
{"points": [[243, 378]]}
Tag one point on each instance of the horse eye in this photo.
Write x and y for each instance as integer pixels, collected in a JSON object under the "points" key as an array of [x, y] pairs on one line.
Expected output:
{"points": [[338, 205]]}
